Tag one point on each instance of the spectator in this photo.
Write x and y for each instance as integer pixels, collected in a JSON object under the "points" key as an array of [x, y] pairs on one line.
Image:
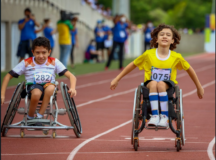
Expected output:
{"points": [[91, 52], [147, 33], [74, 39], [63, 28], [107, 41], [99, 37], [119, 37], [27, 28], [48, 32]]}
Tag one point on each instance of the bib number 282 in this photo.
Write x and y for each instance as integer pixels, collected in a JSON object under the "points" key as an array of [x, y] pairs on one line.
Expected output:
{"points": [[42, 77]]}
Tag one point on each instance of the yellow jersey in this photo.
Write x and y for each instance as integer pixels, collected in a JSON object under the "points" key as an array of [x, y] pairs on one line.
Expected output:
{"points": [[64, 28], [157, 68]]}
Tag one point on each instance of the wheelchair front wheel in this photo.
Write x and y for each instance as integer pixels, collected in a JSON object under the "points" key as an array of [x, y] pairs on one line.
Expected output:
{"points": [[12, 107]]}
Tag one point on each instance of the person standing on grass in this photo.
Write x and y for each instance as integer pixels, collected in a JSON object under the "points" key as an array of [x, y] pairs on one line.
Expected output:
{"points": [[147, 34], [63, 28], [160, 65], [74, 39], [119, 37], [99, 38], [27, 28]]}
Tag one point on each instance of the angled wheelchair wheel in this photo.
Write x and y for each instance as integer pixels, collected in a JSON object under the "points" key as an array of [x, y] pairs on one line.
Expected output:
{"points": [[71, 110], [180, 117], [12, 108], [136, 118]]}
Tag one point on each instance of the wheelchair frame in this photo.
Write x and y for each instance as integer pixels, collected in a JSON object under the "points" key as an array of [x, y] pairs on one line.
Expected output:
{"points": [[51, 110], [139, 118]]}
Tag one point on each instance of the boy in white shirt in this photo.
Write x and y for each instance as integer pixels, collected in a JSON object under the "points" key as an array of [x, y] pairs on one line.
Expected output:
{"points": [[39, 74]]}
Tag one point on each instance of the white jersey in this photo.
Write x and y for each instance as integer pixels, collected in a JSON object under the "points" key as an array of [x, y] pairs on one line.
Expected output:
{"points": [[39, 74]]}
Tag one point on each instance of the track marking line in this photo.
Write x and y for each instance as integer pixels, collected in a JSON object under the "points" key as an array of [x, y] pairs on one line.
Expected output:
{"points": [[75, 150], [210, 149], [120, 152]]}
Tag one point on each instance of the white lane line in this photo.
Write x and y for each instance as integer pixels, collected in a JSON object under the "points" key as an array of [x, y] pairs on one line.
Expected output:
{"points": [[107, 97], [204, 86], [120, 152], [210, 149], [75, 150]]}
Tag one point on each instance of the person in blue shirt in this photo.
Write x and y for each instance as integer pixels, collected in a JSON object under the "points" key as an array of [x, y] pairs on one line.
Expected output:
{"points": [[147, 33], [74, 39], [107, 41], [91, 52], [119, 37], [27, 28], [99, 38], [48, 32]]}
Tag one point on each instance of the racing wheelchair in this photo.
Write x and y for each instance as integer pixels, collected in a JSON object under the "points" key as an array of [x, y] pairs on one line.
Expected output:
{"points": [[50, 116], [142, 112]]}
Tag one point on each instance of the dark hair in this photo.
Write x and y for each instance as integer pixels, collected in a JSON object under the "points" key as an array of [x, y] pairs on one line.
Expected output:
{"points": [[154, 36], [41, 41], [27, 10], [46, 20]]}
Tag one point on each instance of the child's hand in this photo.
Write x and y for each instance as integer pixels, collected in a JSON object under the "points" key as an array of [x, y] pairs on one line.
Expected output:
{"points": [[114, 84], [200, 92], [2, 100], [72, 92]]}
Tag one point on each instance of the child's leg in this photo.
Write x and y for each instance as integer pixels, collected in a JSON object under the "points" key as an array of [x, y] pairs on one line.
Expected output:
{"points": [[153, 97], [35, 97], [48, 92], [163, 97]]}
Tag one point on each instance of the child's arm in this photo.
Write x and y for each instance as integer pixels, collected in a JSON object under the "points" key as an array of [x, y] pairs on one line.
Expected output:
{"points": [[127, 70], [72, 79], [192, 74], [6, 79]]}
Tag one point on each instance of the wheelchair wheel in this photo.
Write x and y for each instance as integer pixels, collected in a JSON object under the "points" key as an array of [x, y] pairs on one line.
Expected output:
{"points": [[12, 108], [136, 119], [180, 117], [71, 110]]}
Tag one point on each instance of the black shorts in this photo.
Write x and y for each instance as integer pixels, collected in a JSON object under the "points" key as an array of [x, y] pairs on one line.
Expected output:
{"points": [[24, 48], [34, 86], [168, 82], [100, 46]]}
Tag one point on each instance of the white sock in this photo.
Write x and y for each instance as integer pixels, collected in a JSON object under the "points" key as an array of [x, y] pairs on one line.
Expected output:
{"points": [[153, 97], [39, 115], [163, 103], [29, 117]]}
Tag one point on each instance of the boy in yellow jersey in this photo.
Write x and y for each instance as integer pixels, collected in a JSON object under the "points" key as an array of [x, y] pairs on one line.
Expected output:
{"points": [[63, 28], [160, 65]]}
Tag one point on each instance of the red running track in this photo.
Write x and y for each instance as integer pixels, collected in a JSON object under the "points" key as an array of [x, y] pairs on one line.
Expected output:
{"points": [[109, 109]]}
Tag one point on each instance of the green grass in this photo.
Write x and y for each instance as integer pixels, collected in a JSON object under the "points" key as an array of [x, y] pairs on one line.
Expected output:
{"points": [[82, 68]]}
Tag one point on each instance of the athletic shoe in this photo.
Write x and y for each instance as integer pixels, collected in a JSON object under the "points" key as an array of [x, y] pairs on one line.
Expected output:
{"points": [[106, 68], [154, 120], [164, 122]]}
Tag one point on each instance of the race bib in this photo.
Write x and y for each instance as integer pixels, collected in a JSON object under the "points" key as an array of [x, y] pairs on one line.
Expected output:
{"points": [[158, 74], [148, 35], [122, 34], [42, 77]]}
